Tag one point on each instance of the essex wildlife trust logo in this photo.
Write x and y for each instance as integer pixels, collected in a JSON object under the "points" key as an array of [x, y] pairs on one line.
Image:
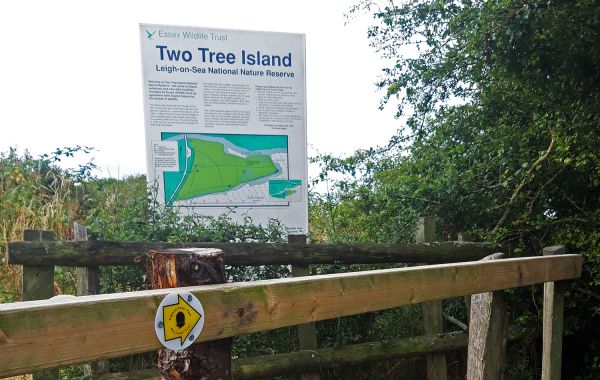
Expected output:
{"points": [[150, 35]]}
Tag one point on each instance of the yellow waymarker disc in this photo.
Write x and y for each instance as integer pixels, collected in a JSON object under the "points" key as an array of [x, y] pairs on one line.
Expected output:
{"points": [[179, 320]]}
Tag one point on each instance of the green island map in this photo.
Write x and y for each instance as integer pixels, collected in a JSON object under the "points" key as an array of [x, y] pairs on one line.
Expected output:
{"points": [[230, 169]]}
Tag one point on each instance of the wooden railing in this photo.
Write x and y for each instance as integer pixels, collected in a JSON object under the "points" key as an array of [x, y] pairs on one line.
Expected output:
{"points": [[40, 253], [38, 335], [94, 253]]}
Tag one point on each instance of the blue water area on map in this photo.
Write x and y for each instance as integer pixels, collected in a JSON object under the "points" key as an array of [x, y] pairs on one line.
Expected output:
{"points": [[255, 142], [172, 180], [248, 142], [283, 188]]}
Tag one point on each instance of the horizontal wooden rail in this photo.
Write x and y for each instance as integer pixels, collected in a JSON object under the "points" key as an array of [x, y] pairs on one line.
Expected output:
{"points": [[94, 253], [352, 355], [268, 366], [44, 334]]}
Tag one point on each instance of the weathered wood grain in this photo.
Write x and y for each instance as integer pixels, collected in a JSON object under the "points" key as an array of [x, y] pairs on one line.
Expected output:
{"points": [[88, 277], [38, 279], [352, 355], [269, 366], [307, 332], [44, 334], [433, 312], [174, 268], [88, 283], [92, 253], [38, 284], [486, 334], [554, 302]]}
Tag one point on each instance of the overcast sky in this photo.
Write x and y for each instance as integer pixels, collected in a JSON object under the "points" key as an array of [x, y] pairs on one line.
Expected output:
{"points": [[71, 72]]}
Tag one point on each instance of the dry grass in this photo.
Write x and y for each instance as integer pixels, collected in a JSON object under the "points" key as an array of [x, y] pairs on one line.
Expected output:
{"points": [[33, 196]]}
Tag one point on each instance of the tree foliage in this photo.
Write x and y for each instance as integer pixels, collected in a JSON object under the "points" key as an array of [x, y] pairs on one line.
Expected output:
{"points": [[502, 107]]}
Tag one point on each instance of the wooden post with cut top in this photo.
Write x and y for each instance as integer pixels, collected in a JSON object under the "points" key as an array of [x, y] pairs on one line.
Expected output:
{"points": [[466, 237], [433, 318], [38, 284], [487, 334], [88, 283], [307, 333], [554, 302], [173, 268]]}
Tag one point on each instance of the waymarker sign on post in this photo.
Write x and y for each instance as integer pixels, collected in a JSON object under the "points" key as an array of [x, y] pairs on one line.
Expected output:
{"points": [[225, 118], [179, 320]]}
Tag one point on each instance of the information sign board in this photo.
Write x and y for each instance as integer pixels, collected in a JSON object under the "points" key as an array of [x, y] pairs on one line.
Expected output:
{"points": [[225, 121]]}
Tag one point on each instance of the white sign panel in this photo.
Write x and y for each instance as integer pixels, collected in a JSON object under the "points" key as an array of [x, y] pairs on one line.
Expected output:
{"points": [[225, 116]]}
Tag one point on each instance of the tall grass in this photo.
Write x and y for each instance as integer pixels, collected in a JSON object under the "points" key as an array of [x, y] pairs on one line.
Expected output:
{"points": [[37, 194], [34, 194]]}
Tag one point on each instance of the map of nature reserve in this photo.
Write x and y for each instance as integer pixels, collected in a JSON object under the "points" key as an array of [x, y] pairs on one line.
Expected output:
{"points": [[230, 170]]}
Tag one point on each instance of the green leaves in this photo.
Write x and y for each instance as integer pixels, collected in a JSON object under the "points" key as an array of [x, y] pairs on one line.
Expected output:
{"points": [[501, 136]]}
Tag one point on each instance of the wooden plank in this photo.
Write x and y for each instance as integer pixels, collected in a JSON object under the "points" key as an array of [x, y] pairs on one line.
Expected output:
{"points": [[352, 355], [88, 277], [465, 236], [91, 253], [554, 301], [486, 334], [433, 312], [83, 283], [307, 332], [269, 366], [88, 283], [42, 334], [38, 284], [38, 279]]}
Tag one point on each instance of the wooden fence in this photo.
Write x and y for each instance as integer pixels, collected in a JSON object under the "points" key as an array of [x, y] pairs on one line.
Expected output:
{"points": [[40, 335]]}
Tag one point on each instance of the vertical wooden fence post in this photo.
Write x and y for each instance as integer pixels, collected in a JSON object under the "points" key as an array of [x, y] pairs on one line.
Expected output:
{"points": [[88, 283], [307, 333], [88, 278], [466, 237], [172, 268], [554, 301], [38, 284], [487, 329], [433, 318]]}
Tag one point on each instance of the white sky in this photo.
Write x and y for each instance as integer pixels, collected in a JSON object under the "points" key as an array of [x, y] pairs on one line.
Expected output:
{"points": [[70, 72]]}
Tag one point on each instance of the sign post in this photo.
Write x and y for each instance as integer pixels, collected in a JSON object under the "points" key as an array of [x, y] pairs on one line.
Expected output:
{"points": [[180, 316], [225, 120]]}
